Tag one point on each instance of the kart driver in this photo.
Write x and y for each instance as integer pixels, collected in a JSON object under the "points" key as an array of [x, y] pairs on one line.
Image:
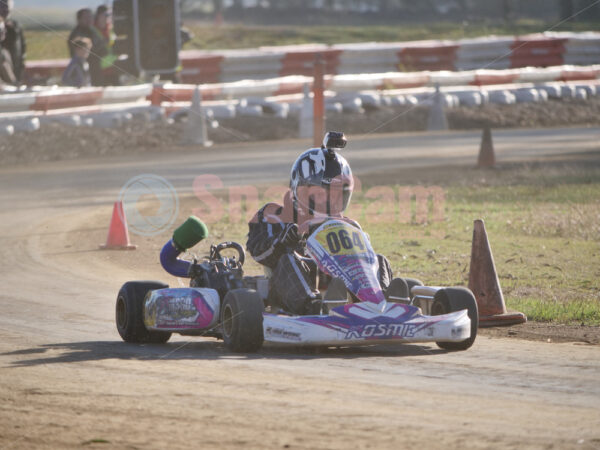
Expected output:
{"points": [[321, 185]]}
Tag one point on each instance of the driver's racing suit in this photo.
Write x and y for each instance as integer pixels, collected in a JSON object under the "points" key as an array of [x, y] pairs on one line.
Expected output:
{"points": [[291, 281]]}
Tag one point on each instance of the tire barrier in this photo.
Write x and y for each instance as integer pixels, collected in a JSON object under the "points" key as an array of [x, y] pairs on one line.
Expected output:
{"points": [[101, 116], [359, 102], [375, 81], [280, 97]]}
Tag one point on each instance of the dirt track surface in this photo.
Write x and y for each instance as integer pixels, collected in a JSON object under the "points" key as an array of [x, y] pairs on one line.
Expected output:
{"points": [[66, 379]]}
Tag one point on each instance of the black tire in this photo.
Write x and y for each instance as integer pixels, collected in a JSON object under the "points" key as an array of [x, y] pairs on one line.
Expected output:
{"points": [[410, 282], [242, 320], [453, 299], [400, 287], [129, 313], [397, 288]]}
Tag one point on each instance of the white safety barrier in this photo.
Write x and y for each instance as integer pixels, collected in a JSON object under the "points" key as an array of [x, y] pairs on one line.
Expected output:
{"points": [[109, 115], [49, 99], [374, 81], [281, 97], [54, 98]]}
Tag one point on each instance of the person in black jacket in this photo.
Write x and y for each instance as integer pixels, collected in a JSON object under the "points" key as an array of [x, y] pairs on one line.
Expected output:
{"points": [[85, 28], [321, 186], [85, 20], [6, 67], [14, 41]]}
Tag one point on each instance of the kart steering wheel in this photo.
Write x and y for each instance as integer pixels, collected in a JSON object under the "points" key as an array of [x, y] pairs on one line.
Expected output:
{"points": [[216, 251]]}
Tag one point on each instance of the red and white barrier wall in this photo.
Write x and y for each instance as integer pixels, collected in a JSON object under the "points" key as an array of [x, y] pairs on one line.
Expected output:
{"points": [[494, 52], [46, 100], [376, 81], [110, 106]]}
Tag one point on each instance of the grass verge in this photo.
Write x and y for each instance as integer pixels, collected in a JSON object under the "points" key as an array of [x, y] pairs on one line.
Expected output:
{"points": [[51, 44], [543, 224]]}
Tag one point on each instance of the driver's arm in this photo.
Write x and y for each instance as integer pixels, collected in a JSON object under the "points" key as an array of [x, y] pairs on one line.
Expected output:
{"points": [[263, 239]]}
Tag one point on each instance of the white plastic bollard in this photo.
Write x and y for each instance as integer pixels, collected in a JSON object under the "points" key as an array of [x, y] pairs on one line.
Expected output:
{"points": [[195, 130], [437, 118], [7, 130], [27, 124], [306, 115]]}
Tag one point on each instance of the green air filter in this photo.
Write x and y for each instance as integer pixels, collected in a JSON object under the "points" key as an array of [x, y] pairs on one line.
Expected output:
{"points": [[189, 233]]}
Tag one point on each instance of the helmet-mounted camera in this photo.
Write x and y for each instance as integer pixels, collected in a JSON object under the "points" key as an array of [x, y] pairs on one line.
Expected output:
{"points": [[334, 140]]}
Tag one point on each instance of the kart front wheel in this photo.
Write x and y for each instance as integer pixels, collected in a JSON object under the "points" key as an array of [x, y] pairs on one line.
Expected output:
{"points": [[411, 282], [242, 320], [129, 313], [449, 300]]}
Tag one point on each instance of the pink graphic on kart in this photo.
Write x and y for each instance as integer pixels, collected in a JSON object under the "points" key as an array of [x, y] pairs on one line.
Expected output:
{"points": [[187, 308], [358, 271], [205, 313], [356, 322]]}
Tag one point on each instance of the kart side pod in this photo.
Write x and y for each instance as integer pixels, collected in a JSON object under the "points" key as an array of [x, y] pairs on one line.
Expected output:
{"points": [[181, 309]]}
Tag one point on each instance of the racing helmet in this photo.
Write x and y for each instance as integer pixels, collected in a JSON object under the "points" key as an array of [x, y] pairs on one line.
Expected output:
{"points": [[321, 179]]}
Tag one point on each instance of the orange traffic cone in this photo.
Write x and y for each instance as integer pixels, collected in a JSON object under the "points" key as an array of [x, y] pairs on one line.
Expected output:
{"points": [[484, 283], [486, 150], [118, 236]]}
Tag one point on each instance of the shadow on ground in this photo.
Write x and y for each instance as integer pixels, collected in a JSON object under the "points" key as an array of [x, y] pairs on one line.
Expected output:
{"points": [[74, 352]]}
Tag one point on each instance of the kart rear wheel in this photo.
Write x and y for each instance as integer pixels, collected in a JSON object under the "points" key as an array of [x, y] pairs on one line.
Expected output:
{"points": [[129, 313], [411, 282], [242, 320], [449, 300]]}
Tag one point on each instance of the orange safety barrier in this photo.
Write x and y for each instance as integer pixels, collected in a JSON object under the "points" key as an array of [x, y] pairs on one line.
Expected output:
{"points": [[538, 52], [182, 93], [55, 100], [201, 68], [433, 57], [302, 62], [286, 88], [482, 79], [579, 74]]}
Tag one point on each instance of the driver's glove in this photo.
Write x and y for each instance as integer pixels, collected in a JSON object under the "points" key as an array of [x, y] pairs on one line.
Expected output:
{"points": [[290, 237]]}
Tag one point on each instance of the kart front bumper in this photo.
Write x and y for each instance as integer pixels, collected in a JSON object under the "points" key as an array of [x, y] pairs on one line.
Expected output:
{"points": [[357, 324]]}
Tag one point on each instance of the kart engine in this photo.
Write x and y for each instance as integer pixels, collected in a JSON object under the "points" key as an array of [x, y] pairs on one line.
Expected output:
{"points": [[219, 272]]}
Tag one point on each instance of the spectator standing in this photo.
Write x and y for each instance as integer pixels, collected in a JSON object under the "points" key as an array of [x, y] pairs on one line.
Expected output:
{"points": [[98, 53], [7, 75], [103, 28], [77, 73], [85, 20], [102, 22], [85, 28], [14, 41]]}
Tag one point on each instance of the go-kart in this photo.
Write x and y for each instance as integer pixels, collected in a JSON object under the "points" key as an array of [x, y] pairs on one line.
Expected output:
{"points": [[221, 302]]}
